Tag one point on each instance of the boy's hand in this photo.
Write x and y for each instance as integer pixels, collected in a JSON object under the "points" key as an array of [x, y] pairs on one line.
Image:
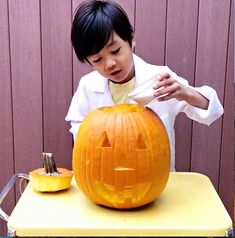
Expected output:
{"points": [[167, 88]]}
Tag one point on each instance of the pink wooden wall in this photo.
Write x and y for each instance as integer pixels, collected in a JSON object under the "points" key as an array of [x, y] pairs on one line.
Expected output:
{"points": [[39, 73]]}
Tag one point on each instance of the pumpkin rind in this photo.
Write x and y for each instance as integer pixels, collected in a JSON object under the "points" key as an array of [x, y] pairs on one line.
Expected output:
{"points": [[121, 156]]}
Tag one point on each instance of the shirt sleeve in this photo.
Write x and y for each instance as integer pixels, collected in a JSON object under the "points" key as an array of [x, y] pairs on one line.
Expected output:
{"points": [[204, 116], [78, 109], [212, 113]]}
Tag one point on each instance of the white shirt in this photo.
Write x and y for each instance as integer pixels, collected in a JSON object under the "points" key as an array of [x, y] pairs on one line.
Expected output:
{"points": [[93, 92]]}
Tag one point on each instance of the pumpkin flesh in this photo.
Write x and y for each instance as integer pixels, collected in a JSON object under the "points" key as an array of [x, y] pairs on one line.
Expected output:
{"points": [[44, 182], [50, 178]]}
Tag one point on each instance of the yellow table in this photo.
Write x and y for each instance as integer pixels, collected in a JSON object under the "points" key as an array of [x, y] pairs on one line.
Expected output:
{"points": [[189, 206]]}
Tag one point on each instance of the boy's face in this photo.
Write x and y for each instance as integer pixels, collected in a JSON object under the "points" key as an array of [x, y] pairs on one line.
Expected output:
{"points": [[115, 60]]}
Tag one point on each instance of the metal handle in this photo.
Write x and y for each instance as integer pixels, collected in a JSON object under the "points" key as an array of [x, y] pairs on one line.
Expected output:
{"points": [[6, 189]]}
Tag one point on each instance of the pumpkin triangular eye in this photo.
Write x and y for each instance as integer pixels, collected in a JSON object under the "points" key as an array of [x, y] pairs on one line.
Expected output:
{"points": [[103, 140], [141, 143]]}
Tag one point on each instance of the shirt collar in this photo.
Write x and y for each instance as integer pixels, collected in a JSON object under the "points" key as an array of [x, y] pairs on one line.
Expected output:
{"points": [[142, 70], [101, 85]]}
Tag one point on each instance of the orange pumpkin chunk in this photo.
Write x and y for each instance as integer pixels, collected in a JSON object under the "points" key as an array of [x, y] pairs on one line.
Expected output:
{"points": [[50, 178]]}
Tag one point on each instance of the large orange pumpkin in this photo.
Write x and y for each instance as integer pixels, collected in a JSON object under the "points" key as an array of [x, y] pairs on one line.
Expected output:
{"points": [[121, 156]]}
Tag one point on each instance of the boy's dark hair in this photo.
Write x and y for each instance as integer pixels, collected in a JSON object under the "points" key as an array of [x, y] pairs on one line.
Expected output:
{"points": [[93, 25]]}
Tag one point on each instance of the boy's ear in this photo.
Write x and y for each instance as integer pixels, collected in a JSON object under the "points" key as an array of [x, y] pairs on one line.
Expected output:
{"points": [[133, 41]]}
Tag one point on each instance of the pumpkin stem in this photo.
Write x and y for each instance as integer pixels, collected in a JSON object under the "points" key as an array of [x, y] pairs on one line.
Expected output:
{"points": [[49, 164]]}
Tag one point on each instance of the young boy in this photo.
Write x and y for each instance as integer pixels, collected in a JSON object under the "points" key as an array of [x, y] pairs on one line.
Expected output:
{"points": [[103, 37]]}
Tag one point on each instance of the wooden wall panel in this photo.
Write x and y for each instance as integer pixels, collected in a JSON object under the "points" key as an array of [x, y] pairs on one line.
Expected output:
{"points": [[210, 69], [25, 48], [181, 37], [226, 180], [56, 74], [6, 132], [150, 27]]}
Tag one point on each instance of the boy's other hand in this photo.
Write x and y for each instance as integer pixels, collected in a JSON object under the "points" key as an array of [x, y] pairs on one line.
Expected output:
{"points": [[167, 88]]}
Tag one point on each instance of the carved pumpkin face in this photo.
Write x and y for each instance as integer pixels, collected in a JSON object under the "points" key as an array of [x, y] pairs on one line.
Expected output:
{"points": [[121, 156]]}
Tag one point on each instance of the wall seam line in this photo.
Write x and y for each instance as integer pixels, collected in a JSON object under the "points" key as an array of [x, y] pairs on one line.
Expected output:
{"points": [[11, 91], [225, 77], [165, 33], [194, 83], [42, 78]]}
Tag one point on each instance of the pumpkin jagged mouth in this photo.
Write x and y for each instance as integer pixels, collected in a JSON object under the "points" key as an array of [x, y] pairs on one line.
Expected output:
{"points": [[129, 194]]}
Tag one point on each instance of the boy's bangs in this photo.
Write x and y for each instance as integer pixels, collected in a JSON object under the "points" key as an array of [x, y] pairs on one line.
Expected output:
{"points": [[98, 35], [94, 24]]}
